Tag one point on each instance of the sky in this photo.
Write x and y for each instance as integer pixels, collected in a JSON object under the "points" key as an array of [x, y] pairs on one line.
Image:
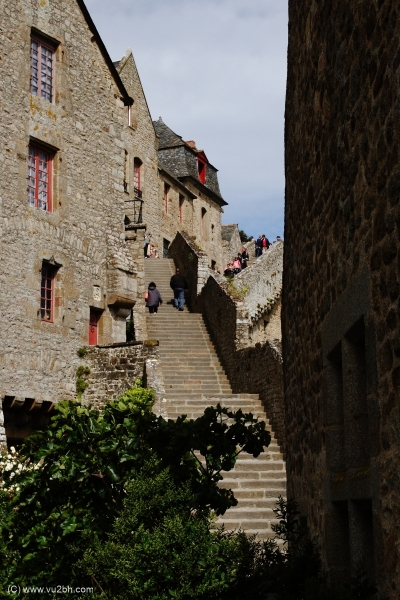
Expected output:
{"points": [[215, 71]]}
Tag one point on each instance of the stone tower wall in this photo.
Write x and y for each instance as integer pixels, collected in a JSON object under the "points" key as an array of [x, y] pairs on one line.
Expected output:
{"points": [[341, 285]]}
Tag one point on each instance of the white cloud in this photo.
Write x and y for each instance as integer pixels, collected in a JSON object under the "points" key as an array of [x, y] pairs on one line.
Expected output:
{"points": [[215, 71]]}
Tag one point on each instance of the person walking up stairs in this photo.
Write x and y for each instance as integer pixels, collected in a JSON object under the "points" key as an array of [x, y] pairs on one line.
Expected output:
{"points": [[194, 379]]}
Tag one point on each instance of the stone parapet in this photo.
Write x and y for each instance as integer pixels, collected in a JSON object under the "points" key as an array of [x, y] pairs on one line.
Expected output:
{"points": [[262, 281], [250, 369], [114, 369]]}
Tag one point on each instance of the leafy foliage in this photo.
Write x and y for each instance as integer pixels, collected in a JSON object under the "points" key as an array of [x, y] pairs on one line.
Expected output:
{"points": [[160, 547], [122, 500], [244, 237], [73, 477]]}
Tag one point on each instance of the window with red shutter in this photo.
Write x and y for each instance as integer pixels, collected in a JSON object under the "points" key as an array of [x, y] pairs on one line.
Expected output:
{"points": [[201, 167], [47, 292], [40, 173], [42, 69]]}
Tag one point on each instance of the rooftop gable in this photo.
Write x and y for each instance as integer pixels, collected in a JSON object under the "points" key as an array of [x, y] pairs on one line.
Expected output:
{"points": [[128, 101], [127, 70]]}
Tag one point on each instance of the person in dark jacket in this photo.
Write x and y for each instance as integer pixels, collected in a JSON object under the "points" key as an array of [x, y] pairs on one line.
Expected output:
{"points": [[153, 299], [245, 257], [179, 285], [259, 246]]}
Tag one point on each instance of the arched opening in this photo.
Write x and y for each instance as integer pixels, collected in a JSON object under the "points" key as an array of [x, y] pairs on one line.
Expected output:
{"points": [[137, 177]]}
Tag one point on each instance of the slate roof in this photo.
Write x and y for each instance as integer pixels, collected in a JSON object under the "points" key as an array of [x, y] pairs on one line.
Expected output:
{"points": [[167, 138], [180, 159]]}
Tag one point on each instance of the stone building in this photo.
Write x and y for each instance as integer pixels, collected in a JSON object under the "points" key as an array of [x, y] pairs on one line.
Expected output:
{"points": [[341, 325], [191, 201], [68, 275], [82, 182]]}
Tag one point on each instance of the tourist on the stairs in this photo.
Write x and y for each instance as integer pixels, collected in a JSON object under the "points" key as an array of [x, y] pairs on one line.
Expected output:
{"points": [[245, 257], [153, 298], [179, 285], [259, 246]]}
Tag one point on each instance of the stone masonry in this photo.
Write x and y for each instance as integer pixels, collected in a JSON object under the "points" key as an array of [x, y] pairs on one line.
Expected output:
{"points": [[115, 368], [341, 286], [231, 242], [254, 368], [84, 130]]}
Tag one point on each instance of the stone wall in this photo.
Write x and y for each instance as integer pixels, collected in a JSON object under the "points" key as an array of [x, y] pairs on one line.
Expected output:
{"points": [[114, 369], [341, 284], [262, 281], [250, 369], [231, 243], [86, 127], [193, 263], [141, 142]]}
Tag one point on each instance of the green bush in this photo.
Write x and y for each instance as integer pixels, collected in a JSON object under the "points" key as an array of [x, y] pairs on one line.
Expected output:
{"points": [[72, 478], [160, 547]]}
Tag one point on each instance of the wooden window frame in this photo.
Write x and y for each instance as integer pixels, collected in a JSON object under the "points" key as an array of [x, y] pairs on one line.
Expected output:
{"points": [[42, 43], [34, 181], [47, 292]]}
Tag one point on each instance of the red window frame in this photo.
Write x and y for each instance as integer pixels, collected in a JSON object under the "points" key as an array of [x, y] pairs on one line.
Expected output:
{"points": [[42, 69], [40, 178], [47, 292], [166, 192], [181, 201], [201, 167]]}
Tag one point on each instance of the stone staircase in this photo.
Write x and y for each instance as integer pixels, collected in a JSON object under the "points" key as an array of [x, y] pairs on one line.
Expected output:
{"points": [[194, 379]]}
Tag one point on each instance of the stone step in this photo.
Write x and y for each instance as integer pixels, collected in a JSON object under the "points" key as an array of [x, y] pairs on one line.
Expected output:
{"points": [[195, 379], [253, 478]]}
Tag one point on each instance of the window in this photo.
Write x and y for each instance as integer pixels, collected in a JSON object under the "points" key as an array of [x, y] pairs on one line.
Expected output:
{"points": [[42, 69], [201, 167], [40, 171], [47, 292], [137, 177], [203, 221], [166, 193], [126, 172], [181, 201]]}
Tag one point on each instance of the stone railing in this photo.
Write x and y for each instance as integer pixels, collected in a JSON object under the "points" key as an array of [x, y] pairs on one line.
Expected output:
{"points": [[193, 263], [254, 369]]}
